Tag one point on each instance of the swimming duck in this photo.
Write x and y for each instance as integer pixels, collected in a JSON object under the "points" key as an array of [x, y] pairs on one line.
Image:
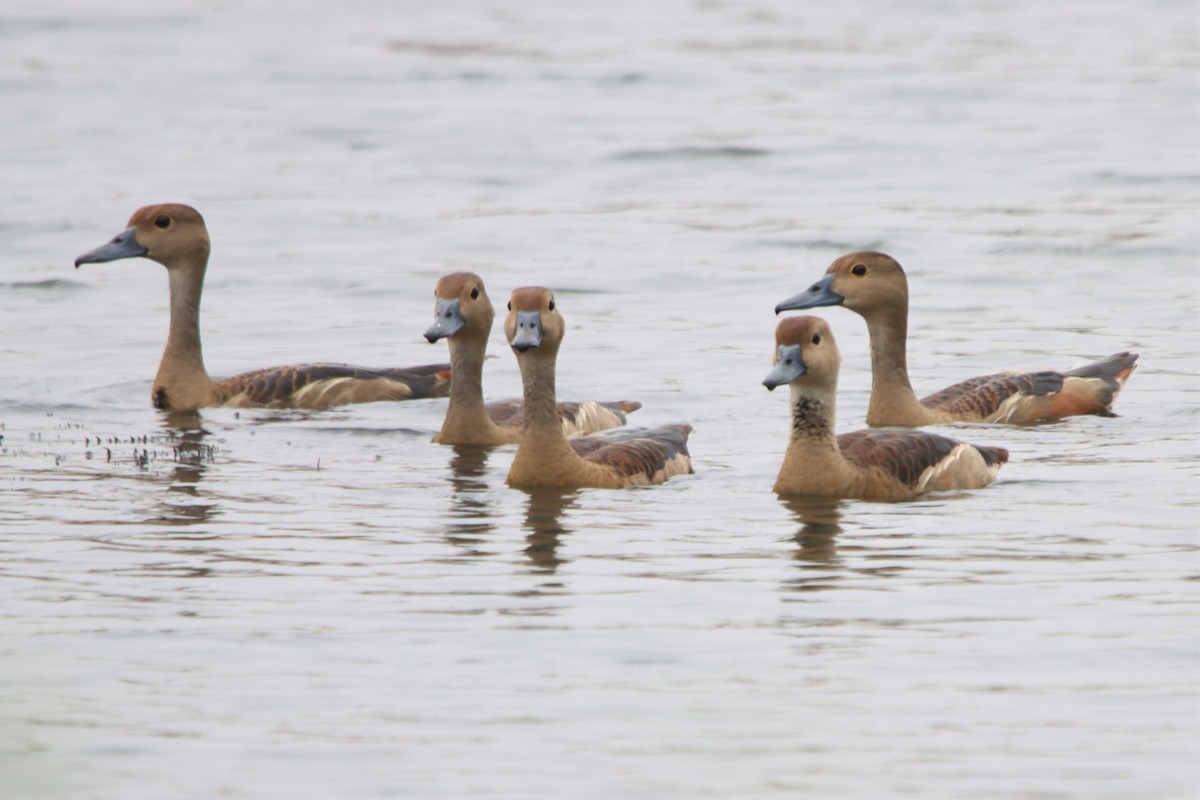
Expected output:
{"points": [[874, 286], [463, 315], [887, 464], [545, 456], [175, 236]]}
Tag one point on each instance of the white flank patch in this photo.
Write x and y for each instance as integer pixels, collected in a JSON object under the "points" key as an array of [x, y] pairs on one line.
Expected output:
{"points": [[239, 400], [962, 468], [677, 465], [1009, 408], [591, 417], [322, 393]]}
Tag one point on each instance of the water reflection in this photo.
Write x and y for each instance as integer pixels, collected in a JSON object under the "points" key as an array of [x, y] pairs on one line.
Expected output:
{"points": [[544, 527], [819, 519], [816, 542], [184, 433], [469, 506]]}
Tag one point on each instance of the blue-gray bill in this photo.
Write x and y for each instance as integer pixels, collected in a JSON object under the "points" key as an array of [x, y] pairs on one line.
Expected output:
{"points": [[820, 293], [788, 367], [123, 245], [529, 331], [448, 320]]}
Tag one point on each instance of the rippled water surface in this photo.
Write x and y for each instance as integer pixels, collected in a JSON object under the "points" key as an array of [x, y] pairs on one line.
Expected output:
{"points": [[274, 604]]}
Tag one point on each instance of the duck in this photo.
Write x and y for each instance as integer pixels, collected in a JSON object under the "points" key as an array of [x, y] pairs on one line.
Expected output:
{"points": [[874, 285], [463, 315], [175, 236], [545, 457], [885, 464]]}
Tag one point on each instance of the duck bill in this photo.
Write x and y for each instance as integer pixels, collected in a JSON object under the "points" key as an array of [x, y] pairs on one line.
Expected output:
{"points": [[820, 293], [788, 367], [123, 245], [448, 320], [528, 331]]}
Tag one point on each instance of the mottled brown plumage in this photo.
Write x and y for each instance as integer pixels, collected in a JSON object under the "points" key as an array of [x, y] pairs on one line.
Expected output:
{"points": [[175, 236], [574, 415], [887, 464], [545, 457], [979, 398], [909, 454], [635, 452], [874, 285], [326, 385], [463, 315]]}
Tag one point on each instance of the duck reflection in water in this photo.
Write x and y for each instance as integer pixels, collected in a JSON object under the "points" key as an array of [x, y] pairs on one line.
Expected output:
{"points": [[472, 512], [184, 433], [543, 525], [819, 519]]}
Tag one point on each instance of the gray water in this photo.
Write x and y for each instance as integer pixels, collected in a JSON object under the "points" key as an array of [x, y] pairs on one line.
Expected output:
{"points": [[266, 604]]}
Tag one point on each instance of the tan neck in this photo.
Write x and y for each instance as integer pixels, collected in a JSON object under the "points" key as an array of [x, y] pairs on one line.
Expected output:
{"points": [[542, 424], [813, 463], [182, 378], [893, 401], [544, 457], [467, 420]]}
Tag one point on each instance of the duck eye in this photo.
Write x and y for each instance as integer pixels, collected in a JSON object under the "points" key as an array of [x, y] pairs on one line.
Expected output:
{"points": [[816, 338], [859, 269], [551, 306], [510, 305], [475, 293], [162, 221]]}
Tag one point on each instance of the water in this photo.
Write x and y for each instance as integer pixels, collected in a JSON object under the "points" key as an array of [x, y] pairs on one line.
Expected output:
{"points": [[272, 604]]}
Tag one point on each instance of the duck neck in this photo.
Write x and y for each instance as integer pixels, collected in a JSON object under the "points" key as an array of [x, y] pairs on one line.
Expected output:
{"points": [[541, 405], [544, 456], [182, 380], [892, 399], [813, 416], [813, 460], [466, 412]]}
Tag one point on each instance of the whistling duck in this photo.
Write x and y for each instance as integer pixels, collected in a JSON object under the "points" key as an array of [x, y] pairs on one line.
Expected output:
{"points": [[174, 235], [463, 314], [888, 464], [545, 456], [873, 285]]}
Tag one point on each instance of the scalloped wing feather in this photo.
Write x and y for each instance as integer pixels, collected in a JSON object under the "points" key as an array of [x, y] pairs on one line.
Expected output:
{"points": [[980, 398], [578, 418], [639, 456], [922, 461], [1018, 397], [317, 386]]}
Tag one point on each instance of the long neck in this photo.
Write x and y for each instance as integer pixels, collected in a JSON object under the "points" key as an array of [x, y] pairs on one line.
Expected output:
{"points": [[892, 399], [541, 405], [466, 414], [181, 373], [813, 463], [543, 455], [814, 413]]}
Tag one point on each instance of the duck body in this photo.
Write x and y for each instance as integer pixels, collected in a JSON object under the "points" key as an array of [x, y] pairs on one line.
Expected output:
{"points": [[175, 236], [874, 285], [887, 464], [610, 459], [578, 418], [317, 386], [463, 315], [545, 456]]}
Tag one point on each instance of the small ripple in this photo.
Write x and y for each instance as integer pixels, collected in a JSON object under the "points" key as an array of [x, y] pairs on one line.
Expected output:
{"points": [[691, 153], [51, 284], [461, 49]]}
